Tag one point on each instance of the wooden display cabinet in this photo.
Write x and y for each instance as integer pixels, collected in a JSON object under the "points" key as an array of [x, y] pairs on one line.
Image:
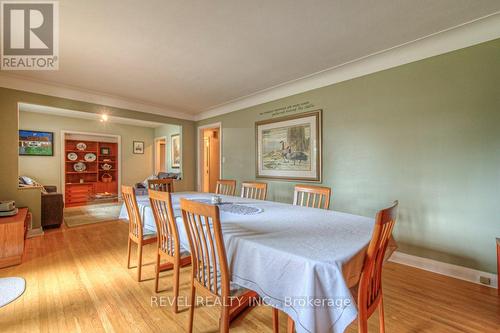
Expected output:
{"points": [[12, 235], [88, 186]]}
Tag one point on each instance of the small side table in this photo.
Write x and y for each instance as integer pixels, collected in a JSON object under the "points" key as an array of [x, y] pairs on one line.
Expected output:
{"points": [[12, 233]]}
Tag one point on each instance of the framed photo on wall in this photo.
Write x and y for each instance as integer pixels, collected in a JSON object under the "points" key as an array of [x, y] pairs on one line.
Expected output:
{"points": [[289, 148], [138, 147], [36, 143], [175, 151]]}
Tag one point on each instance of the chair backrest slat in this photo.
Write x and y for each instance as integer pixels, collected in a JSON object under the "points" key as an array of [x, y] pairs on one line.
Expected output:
{"points": [[135, 222], [370, 283], [197, 245], [164, 185], [312, 196], [210, 268], [203, 226], [254, 190], [225, 187], [163, 212]]}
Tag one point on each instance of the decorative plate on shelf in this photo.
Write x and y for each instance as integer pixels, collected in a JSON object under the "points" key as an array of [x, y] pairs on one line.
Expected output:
{"points": [[79, 167], [72, 156], [106, 166], [81, 146], [90, 157]]}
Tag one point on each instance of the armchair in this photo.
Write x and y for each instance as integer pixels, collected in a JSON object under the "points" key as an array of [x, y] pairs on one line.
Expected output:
{"points": [[52, 208], [142, 188]]}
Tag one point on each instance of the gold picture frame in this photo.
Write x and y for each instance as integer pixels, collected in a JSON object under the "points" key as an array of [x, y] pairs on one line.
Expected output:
{"points": [[290, 147]]}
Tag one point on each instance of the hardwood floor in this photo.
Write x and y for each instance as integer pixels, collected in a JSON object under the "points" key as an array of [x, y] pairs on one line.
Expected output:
{"points": [[77, 281]]}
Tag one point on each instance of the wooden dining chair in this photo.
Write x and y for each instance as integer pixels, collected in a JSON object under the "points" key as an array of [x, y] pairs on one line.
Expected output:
{"points": [[210, 273], [312, 196], [164, 185], [136, 231], [254, 190], [225, 187], [169, 247], [369, 291]]}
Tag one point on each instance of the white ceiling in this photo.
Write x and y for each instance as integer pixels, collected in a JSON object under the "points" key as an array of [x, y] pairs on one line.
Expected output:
{"points": [[193, 56]]}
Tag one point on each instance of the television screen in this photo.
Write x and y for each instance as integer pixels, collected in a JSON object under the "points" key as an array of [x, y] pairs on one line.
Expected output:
{"points": [[35, 143]]}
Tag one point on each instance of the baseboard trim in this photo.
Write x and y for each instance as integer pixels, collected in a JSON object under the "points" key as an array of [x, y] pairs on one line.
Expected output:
{"points": [[455, 271], [34, 232]]}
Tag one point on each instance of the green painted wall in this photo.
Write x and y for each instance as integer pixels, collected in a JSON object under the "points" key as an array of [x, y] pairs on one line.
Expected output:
{"points": [[9, 163], [47, 169], [167, 131], [426, 133]]}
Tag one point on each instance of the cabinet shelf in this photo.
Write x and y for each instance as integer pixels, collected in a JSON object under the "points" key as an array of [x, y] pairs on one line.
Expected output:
{"points": [[82, 186], [80, 172], [81, 151]]}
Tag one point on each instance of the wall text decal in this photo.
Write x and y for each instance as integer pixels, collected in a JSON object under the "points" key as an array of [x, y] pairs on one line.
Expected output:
{"points": [[299, 107]]}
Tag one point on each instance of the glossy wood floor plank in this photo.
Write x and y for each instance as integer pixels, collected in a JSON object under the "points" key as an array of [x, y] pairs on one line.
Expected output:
{"points": [[77, 281]]}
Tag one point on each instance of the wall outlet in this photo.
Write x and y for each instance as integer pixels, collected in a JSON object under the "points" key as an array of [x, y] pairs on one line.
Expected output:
{"points": [[485, 280]]}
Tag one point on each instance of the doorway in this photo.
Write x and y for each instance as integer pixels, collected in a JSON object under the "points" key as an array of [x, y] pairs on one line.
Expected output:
{"points": [[160, 154], [210, 157], [91, 169], [91, 177]]}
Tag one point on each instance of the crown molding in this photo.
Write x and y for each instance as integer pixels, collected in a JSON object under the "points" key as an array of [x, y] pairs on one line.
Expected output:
{"points": [[471, 33], [53, 111], [12, 81]]}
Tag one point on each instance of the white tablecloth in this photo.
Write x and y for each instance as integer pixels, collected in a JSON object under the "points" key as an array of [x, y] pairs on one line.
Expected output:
{"points": [[293, 257]]}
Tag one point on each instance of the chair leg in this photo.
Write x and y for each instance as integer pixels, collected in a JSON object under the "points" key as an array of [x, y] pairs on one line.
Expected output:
{"points": [[362, 324], [139, 262], [157, 272], [224, 320], [176, 285], [191, 307], [276, 322], [381, 316], [290, 325], [129, 249]]}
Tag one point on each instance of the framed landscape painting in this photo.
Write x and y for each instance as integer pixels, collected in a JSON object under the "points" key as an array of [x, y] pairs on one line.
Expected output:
{"points": [[175, 151], [36, 143], [289, 147]]}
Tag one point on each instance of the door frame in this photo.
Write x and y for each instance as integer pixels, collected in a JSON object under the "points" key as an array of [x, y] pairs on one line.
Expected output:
{"points": [[63, 157], [154, 152], [199, 146]]}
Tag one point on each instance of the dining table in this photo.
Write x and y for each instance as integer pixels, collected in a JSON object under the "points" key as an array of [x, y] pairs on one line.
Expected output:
{"points": [[303, 261]]}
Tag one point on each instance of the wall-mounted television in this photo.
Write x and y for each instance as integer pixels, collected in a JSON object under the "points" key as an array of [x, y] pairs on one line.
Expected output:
{"points": [[36, 143]]}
